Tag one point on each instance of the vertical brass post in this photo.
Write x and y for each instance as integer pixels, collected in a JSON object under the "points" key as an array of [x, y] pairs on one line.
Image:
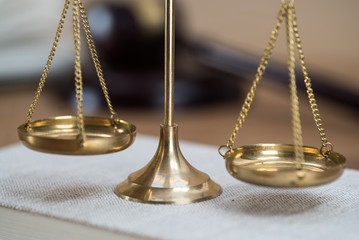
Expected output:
{"points": [[168, 177], [169, 61]]}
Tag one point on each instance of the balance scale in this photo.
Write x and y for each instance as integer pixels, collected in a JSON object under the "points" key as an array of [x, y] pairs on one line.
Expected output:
{"points": [[169, 177]]}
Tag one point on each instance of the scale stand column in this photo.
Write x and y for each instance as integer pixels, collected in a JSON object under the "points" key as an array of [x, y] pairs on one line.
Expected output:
{"points": [[168, 177]]}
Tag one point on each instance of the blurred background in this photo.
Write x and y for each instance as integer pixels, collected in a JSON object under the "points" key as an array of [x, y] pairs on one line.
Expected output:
{"points": [[218, 48]]}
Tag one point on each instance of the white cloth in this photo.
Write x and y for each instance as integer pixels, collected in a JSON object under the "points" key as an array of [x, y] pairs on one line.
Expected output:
{"points": [[80, 189]]}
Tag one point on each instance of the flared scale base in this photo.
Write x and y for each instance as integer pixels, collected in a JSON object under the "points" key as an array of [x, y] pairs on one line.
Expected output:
{"points": [[168, 177]]}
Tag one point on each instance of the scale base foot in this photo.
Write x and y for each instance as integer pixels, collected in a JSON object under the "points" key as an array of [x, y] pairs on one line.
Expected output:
{"points": [[168, 178]]}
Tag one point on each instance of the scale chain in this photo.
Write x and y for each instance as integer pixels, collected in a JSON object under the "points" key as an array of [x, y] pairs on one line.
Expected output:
{"points": [[260, 71], [287, 10], [317, 119], [48, 64], [296, 123], [90, 41], [78, 72], [78, 11]]}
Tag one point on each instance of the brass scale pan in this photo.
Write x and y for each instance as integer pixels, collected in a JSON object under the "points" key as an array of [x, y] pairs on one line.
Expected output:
{"points": [[76, 135], [60, 135], [275, 165], [278, 165]]}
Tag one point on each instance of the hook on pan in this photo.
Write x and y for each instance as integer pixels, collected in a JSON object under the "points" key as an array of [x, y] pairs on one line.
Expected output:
{"points": [[221, 148]]}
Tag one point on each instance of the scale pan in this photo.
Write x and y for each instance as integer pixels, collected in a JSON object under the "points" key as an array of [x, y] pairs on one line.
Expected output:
{"points": [[275, 165], [60, 135]]}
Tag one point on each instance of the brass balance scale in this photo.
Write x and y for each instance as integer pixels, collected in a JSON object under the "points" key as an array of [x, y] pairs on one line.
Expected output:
{"points": [[168, 177]]}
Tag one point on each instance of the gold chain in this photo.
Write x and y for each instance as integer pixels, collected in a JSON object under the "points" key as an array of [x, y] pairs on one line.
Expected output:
{"points": [[48, 64], [78, 72], [313, 104], [260, 71], [96, 62], [78, 11], [296, 124], [287, 10]]}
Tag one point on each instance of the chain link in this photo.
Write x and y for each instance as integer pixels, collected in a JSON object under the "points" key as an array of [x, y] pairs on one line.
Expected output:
{"points": [[96, 62], [260, 71], [48, 64]]}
